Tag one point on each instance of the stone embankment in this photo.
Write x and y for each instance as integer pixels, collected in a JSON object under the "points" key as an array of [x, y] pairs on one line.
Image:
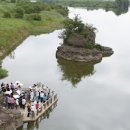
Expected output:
{"points": [[82, 54], [10, 119]]}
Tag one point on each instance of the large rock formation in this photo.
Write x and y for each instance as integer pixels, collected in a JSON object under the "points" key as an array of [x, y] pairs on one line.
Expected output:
{"points": [[82, 54], [79, 43]]}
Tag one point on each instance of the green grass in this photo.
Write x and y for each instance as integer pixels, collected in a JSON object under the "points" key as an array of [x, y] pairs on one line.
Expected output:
{"points": [[13, 31], [51, 20], [3, 73]]}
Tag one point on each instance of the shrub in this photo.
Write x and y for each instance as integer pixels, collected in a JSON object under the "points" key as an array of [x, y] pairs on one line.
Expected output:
{"points": [[29, 7], [19, 13], [3, 73], [98, 46], [13, 1], [62, 10], [85, 34], [36, 17], [6, 15], [89, 46]]}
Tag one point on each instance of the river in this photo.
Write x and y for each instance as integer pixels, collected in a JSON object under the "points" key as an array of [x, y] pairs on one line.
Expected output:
{"points": [[91, 97]]}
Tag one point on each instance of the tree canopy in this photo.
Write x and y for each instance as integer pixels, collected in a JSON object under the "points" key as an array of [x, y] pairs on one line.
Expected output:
{"points": [[78, 34]]}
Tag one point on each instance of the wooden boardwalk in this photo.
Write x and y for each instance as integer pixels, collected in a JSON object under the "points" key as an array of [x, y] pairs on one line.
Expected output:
{"points": [[49, 103]]}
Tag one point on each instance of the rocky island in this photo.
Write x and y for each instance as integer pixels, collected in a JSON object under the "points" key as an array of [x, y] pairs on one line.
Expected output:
{"points": [[79, 43]]}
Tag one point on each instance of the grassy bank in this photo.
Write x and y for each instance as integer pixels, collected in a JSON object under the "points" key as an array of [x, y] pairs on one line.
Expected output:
{"points": [[83, 3], [15, 29]]}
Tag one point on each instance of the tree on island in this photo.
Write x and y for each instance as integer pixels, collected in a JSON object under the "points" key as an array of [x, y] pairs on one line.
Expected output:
{"points": [[77, 34], [79, 43]]}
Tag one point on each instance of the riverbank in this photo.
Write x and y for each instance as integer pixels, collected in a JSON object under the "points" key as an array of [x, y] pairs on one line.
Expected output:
{"points": [[19, 20], [13, 31]]}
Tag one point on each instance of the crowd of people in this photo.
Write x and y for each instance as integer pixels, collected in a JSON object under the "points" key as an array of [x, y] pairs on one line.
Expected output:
{"points": [[31, 98]]}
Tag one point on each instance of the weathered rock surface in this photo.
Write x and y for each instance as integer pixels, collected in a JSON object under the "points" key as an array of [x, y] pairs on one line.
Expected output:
{"points": [[10, 119], [82, 54]]}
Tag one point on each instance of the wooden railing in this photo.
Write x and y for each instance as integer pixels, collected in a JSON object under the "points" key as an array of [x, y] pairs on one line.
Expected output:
{"points": [[45, 106]]}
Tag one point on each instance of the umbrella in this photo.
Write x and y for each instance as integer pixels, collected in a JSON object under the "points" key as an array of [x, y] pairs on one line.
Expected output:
{"points": [[30, 87], [8, 92], [18, 92], [16, 96], [21, 84], [17, 82]]}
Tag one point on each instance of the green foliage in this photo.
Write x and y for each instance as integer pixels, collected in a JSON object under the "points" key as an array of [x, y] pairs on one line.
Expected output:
{"points": [[117, 6], [29, 7], [122, 6], [13, 30], [13, 1], [19, 13], [22, 1], [98, 46], [89, 46], [72, 26], [36, 17], [122, 3], [6, 15], [3, 73], [77, 33], [62, 10]]}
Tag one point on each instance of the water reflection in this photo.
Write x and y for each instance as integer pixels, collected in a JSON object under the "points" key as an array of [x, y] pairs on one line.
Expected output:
{"points": [[12, 55], [121, 10], [119, 7], [75, 71], [35, 125]]}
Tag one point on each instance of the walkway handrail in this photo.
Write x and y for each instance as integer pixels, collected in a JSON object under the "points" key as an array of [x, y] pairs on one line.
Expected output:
{"points": [[46, 105]]}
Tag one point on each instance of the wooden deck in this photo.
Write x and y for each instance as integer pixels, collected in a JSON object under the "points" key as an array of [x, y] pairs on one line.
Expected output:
{"points": [[49, 103]]}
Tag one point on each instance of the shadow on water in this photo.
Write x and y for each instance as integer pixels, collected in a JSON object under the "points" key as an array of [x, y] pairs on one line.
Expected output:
{"points": [[35, 125], [75, 71], [121, 10]]}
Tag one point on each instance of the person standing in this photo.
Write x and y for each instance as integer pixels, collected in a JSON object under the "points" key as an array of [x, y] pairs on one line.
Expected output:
{"points": [[8, 100], [20, 101], [33, 110], [28, 109], [41, 96], [16, 103], [23, 102], [12, 102], [37, 95], [37, 106], [12, 87]]}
